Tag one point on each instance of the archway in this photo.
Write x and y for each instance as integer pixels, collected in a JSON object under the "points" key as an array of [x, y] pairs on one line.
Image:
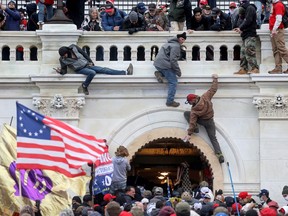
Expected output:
{"points": [[157, 161], [162, 122]]}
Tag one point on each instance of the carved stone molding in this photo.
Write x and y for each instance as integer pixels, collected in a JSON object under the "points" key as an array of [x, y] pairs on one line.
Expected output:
{"points": [[276, 107], [59, 106]]}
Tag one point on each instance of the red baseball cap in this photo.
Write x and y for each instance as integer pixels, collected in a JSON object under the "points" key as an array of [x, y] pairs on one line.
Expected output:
{"points": [[203, 2], [233, 5], [108, 197], [190, 97], [244, 194]]}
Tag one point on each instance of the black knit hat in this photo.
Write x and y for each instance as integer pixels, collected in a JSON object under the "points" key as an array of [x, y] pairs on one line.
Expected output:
{"points": [[63, 50], [183, 35]]}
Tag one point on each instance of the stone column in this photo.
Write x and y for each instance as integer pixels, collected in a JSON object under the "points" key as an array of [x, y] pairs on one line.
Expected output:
{"points": [[53, 36]]}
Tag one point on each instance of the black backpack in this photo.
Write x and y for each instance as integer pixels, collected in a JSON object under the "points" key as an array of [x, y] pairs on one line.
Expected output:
{"points": [[285, 17]]}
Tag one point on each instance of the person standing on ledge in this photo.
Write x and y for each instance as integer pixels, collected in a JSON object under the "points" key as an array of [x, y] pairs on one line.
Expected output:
{"points": [[166, 63], [202, 113], [277, 38], [78, 60]]}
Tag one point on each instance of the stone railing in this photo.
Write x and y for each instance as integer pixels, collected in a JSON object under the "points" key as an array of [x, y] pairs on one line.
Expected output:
{"points": [[205, 50]]}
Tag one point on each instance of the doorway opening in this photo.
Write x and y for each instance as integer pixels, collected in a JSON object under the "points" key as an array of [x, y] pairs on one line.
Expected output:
{"points": [[158, 160]]}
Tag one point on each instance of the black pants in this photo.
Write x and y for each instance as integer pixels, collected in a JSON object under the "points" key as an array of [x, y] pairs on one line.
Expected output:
{"points": [[209, 125]]}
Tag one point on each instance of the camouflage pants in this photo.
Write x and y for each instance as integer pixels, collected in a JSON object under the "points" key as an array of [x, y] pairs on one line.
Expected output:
{"points": [[248, 54]]}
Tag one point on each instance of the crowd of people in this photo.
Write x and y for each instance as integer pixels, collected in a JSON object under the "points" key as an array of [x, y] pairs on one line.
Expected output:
{"points": [[107, 17], [200, 200]]}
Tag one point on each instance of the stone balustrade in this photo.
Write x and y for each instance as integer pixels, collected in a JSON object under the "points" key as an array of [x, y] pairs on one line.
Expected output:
{"points": [[205, 50]]}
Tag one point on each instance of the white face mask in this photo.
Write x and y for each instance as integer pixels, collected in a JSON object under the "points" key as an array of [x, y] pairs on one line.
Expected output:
{"points": [[231, 11], [286, 198]]}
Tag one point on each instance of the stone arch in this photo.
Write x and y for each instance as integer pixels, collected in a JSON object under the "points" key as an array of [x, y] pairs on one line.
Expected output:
{"points": [[158, 122]]}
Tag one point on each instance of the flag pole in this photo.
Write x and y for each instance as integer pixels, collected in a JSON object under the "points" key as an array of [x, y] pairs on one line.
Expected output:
{"points": [[11, 120], [232, 185], [93, 179]]}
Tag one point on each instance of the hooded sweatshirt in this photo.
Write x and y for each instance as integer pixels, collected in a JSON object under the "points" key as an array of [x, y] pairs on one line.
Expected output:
{"points": [[121, 166], [167, 58]]}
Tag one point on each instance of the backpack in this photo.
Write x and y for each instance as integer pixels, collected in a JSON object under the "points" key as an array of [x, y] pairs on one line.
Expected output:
{"points": [[285, 17]]}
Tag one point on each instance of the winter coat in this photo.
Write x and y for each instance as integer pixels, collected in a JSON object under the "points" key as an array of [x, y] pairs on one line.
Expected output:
{"points": [[13, 19], [249, 24], [168, 56], [92, 25], [202, 25], [117, 19], [204, 108], [121, 166], [158, 19], [80, 62], [132, 28], [224, 22], [180, 10]]}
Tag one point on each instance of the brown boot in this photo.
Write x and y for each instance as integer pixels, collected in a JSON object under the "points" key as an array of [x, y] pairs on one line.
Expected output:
{"points": [[241, 71], [254, 71], [276, 70], [285, 72]]}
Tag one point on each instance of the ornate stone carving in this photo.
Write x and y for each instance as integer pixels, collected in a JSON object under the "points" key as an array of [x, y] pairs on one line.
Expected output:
{"points": [[58, 106], [272, 107]]}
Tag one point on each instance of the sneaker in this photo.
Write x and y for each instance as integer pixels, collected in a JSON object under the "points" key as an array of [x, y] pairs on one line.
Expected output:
{"points": [[158, 76], [276, 70], [285, 72], [254, 71], [241, 72], [173, 104], [85, 90], [220, 157], [130, 69], [40, 24]]}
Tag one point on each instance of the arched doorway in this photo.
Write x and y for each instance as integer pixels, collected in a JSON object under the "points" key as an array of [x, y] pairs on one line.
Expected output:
{"points": [[158, 160]]}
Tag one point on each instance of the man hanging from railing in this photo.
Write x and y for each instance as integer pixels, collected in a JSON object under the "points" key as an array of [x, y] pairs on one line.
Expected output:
{"points": [[76, 59], [202, 113]]}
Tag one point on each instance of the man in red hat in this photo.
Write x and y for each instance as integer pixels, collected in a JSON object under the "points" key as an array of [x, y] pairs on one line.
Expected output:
{"points": [[202, 113]]}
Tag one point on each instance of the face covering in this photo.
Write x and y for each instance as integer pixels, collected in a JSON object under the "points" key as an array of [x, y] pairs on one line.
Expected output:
{"points": [[286, 198]]}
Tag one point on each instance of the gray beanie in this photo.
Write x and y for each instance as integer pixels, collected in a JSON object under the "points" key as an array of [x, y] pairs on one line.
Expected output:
{"points": [[285, 190], [133, 16]]}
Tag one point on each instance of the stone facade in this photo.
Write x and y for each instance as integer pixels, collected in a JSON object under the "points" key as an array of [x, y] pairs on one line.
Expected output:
{"points": [[250, 111]]}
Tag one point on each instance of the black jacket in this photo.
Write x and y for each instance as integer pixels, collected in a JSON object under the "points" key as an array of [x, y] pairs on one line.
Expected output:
{"points": [[132, 28], [180, 10], [224, 24], [249, 24]]}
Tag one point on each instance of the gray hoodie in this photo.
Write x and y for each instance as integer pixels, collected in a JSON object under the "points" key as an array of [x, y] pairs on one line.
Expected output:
{"points": [[168, 56], [121, 166]]}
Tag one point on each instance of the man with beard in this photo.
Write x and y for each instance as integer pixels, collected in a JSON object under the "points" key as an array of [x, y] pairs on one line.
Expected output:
{"points": [[202, 113]]}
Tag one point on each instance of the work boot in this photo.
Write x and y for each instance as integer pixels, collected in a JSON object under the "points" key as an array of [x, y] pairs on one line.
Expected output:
{"points": [[276, 70], [158, 76], [85, 89], [173, 104], [130, 69], [241, 71], [220, 157], [254, 71]]}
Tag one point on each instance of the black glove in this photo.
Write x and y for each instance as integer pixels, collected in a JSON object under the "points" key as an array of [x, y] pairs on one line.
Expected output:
{"points": [[132, 30]]}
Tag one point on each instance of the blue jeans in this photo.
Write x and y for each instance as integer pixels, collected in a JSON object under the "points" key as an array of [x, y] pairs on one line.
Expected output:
{"points": [[171, 77], [258, 5], [90, 72], [41, 14]]}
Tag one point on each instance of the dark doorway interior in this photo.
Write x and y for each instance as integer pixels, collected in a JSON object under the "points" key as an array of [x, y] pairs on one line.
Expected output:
{"points": [[165, 155]]}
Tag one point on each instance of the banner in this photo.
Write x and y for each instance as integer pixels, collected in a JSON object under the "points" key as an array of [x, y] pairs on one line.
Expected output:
{"points": [[54, 190], [103, 173]]}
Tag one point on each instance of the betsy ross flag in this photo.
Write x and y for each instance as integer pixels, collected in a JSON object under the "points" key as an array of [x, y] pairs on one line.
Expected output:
{"points": [[47, 143]]}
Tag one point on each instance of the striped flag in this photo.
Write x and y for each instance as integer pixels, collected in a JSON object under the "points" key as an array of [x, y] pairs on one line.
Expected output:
{"points": [[47, 143]]}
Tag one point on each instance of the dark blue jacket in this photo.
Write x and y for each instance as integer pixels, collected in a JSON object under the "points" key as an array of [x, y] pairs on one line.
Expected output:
{"points": [[109, 22], [12, 20]]}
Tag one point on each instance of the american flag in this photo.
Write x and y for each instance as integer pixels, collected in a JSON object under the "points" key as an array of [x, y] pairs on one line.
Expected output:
{"points": [[47, 143]]}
